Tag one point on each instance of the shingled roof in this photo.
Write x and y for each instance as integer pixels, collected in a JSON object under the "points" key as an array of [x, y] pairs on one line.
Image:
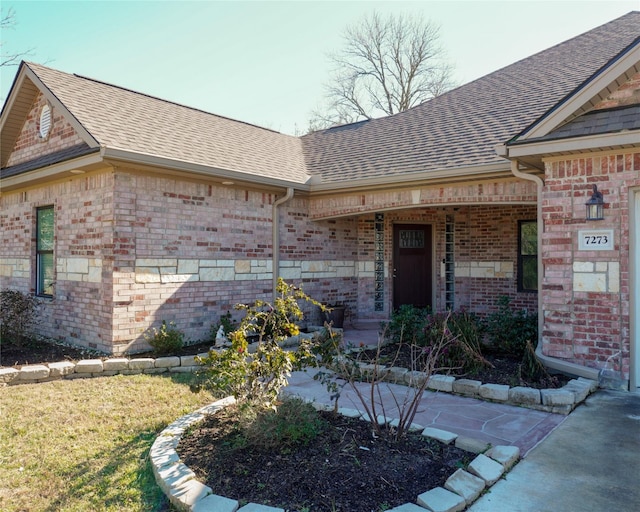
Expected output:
{"points": [[121, 119], [449, 134], [462, 127]]}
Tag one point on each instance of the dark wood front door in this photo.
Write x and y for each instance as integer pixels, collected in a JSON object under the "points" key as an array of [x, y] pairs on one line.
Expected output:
{"points": [[413, 264]]}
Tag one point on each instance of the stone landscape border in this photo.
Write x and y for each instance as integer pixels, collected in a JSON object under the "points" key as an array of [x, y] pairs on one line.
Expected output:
{"points": [[462, 488], [560, 401]]}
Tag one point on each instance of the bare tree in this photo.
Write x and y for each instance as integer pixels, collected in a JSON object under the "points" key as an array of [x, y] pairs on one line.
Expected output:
{"points": [[387, 65], [8, 21]]}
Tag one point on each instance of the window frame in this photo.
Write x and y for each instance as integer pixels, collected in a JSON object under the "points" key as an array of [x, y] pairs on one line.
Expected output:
{"points": [[41, 286], [522, 258]]}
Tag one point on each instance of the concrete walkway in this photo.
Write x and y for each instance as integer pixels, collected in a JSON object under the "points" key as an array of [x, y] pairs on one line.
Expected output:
{"points": [[494, 423], [590, 463]]}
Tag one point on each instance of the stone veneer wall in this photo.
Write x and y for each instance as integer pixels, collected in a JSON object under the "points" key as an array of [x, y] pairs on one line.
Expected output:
{"points": [[187, 251], [586, 294]]}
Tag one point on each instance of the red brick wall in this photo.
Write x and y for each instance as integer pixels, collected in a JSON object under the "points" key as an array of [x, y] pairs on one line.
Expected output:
{"points": [[165, 219], [81, 309], [587, 326], [29, 145]]}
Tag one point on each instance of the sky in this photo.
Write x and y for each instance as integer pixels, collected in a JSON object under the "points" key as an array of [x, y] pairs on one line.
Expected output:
{"points": [[266, 62]]}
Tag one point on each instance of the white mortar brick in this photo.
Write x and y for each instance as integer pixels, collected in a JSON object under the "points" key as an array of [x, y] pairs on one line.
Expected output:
{"points": [[89, 366], [614, 277], [188, 266], [217, 274], [156, 262], [505, 455], [115, 364], [465, 484], [441, 500], [487, 469], [94, 275], [179, 278], [78, 265], [242, 267], [583, 282], [147, 275], [582, 266], [440, 435], [33, 372], [289, 273], [8, 374], [215, 503], [314, 266], [61, 368]]}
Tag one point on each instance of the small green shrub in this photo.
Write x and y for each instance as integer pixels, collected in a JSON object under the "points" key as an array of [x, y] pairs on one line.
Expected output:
{"points": [[18, 316], [166, 340], [257, 376], [295, 423], [508, 330], [421, 328], [408, 324]]}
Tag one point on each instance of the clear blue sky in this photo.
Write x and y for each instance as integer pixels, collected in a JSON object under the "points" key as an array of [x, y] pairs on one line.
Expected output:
{"points": [[264, 62]]}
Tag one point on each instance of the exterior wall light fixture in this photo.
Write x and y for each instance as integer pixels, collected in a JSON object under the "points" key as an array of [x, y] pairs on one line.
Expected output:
{"points": [[595, 205]]}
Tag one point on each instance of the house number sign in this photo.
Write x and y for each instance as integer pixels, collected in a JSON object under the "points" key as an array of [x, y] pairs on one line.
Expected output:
{"points": [[595, 240]]}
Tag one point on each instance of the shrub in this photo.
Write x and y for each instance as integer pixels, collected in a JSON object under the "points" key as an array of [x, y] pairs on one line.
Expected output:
{"points": [[350, 367], [295, 423], [407, 323], [421, 328], [166, 340], [256, 377], [508, 330], [18, 315]]}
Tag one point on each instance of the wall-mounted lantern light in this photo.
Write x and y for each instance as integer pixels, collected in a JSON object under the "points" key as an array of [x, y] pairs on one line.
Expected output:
{"points": [[595, 205]]}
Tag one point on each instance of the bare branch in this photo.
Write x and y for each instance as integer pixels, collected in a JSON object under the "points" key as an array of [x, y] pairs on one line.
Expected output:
{"points": [[387, 65], [8, 21]]}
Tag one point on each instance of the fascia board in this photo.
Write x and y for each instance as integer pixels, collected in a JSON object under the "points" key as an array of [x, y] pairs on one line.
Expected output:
{"points": [[57, 104], [50, 172], [584, 96], [441, 175], [584, 143], [143, 159], [13, 94]]}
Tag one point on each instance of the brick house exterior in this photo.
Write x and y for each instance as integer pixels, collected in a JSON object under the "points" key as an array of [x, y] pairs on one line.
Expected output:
{"points": [[163, 212]]}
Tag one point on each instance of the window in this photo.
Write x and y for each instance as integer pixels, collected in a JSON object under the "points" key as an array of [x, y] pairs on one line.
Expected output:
{"points": [[527, 256], [44, 251]]}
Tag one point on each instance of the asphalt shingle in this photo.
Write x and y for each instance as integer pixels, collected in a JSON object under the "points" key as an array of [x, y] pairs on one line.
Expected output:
{"points": [[462, 127]]}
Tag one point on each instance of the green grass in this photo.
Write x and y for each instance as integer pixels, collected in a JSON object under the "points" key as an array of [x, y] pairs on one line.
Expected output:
{"points": [[83, 445]]}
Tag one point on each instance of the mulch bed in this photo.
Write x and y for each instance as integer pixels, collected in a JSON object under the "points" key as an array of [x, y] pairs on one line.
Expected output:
{"points": [[501, 369], [344, 469]]}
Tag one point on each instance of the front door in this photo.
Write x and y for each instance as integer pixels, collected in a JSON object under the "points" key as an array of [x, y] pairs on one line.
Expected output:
{"points": [[413, 264]]}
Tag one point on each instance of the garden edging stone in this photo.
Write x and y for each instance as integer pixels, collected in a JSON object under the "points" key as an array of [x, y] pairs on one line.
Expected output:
{"points": [[559, 401], [187, 494]]}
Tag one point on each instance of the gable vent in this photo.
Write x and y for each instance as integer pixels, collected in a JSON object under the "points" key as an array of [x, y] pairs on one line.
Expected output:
{"points": [[45, 122]]}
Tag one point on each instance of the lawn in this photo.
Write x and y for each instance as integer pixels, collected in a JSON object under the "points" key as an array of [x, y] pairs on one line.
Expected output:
{"points": [[80, 445]]}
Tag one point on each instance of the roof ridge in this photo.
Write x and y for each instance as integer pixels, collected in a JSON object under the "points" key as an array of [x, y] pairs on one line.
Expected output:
{"points": [[152, 97]]}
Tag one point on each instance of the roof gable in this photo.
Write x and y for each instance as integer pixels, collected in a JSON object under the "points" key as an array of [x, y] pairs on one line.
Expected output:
{"points": [[19, 123], [132, 124]]}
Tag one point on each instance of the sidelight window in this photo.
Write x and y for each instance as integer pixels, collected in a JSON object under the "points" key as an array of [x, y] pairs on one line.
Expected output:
{"points": [[527, 256]]}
